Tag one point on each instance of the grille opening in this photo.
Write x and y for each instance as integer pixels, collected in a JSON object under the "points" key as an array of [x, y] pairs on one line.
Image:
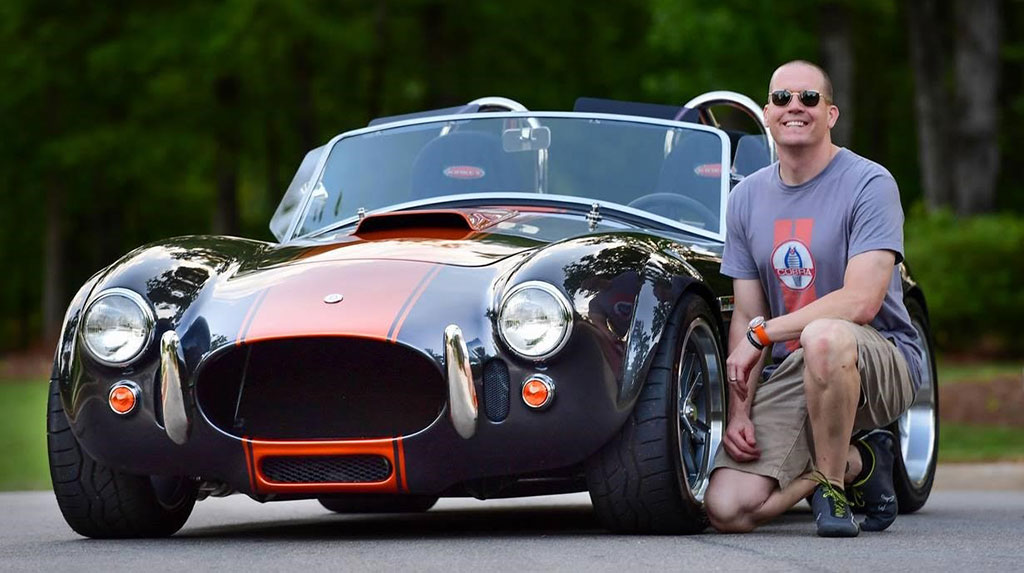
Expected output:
{"points": [[330, 388], [496, 390], [326, 469]]}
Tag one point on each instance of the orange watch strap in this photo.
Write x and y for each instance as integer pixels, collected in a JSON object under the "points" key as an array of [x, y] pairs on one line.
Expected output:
{"points": [[761, 334]]}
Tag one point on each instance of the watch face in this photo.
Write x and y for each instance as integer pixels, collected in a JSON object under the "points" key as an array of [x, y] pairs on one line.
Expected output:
{"points": [[756, 321]]}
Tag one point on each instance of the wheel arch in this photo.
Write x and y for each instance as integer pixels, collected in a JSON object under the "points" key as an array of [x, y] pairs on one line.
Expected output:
{"points": [[651, 316]]}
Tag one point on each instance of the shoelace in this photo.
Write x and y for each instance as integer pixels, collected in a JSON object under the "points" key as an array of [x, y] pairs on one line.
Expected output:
{"points": [[855, 489], [858, 497], [832, 492]]}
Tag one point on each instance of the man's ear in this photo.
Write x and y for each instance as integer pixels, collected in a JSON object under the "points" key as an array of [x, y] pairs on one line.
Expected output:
{"points": [[833, 116]]}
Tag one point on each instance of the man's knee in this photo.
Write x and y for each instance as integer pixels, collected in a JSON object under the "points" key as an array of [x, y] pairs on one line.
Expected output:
{"points": [[731, 507], [829, 345]]}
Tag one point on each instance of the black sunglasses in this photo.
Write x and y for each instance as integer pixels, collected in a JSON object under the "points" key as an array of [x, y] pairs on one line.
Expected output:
{"points": [[809, 98]]}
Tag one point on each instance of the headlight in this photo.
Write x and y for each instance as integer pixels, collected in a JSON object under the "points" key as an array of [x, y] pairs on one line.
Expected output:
{"points": [[117, 326], [535, 320]]}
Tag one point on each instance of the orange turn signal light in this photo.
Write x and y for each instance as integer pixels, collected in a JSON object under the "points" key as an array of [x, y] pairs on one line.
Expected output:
{"points": [[538, 391], [123, 397]]}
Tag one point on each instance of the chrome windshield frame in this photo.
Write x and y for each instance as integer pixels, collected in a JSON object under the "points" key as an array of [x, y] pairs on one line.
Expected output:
{"points": [[726, 162]]}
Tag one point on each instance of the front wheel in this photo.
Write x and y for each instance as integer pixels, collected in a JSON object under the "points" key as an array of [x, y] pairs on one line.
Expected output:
{"points": [[98, 501], [652, 476], [917, 448]]}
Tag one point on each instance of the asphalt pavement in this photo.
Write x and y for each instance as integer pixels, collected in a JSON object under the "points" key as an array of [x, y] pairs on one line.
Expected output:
{"points": [[958, 530]]}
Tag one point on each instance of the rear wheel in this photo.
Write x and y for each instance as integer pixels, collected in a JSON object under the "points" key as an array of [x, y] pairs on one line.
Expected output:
{"points": [[100, 502], [372, 503], [918, 428], [652, 476]]}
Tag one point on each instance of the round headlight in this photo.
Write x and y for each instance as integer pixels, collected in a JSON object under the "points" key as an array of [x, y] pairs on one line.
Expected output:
{"points": [[117, 326], [535, 320]]}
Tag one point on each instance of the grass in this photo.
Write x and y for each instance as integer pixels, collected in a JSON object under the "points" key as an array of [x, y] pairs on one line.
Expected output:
{"points": [[951, 372], [23, 435], [969, 443]]}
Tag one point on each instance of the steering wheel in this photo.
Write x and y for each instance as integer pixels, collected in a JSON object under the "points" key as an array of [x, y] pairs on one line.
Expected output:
{"points": [[674, 206]]}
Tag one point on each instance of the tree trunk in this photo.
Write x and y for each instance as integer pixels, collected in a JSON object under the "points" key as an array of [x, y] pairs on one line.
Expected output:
{"points": [[838, 60], [976, 67], [225, 218], [378, 66], [302, 70], [53, 269], [438, 51], [928, 61]]}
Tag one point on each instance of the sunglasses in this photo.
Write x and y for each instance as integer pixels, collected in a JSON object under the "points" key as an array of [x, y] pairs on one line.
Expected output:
{"points": [[808, 98]]}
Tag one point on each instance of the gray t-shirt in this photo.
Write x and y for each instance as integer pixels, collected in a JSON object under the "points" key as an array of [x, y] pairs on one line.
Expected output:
{"points": [[797, 239]]}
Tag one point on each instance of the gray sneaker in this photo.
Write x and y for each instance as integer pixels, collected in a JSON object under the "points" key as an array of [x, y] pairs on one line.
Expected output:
{"points": [[832, 512], [875, 494]]}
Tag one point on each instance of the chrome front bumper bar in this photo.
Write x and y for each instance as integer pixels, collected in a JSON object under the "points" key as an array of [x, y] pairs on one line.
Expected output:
{"points": [[176, 422], [461, 391]]}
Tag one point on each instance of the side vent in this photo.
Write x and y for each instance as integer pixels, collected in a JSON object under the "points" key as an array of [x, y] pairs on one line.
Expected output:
{"points": [[496, 390]]}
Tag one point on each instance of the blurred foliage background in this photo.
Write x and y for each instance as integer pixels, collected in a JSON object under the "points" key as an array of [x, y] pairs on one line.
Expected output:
{"points": [[125, 122]]}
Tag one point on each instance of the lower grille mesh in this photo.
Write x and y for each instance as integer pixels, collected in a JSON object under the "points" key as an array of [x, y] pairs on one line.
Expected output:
{"points": [[496, 390], [326, 469]]}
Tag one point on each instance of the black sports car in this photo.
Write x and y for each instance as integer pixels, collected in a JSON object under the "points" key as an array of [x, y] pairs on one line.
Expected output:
{"points": [[481, 301]]}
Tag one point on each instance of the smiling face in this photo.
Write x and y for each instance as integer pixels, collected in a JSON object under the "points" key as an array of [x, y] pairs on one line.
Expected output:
{"points": [[793, 125]]}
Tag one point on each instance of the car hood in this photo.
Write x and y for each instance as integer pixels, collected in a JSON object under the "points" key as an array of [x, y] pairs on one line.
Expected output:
{"points": [[460, 237]]}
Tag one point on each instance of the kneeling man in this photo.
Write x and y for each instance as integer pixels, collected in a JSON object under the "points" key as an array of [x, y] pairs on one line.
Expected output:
{"points": [[814, 242]]}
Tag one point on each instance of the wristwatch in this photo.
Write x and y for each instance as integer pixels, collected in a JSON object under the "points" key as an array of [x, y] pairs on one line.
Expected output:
{"points": [[756, 333]]}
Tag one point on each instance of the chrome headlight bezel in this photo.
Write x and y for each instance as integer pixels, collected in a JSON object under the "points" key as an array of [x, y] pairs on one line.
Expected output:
{"points": [[148, 319], [564, 308]]}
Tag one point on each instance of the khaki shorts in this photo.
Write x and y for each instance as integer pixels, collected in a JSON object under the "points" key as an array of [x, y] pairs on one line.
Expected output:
{"points": [[779, 411]]}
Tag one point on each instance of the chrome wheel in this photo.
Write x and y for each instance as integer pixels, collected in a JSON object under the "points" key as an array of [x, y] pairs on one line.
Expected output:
{"points": [[918, 425], [700, 406]]}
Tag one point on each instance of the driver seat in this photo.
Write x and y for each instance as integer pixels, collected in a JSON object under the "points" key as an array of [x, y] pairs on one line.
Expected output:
{"points": [[464, 162], [693, 169]]}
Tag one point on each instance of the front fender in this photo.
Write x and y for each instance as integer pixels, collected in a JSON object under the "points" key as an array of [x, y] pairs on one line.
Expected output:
{"points": [[170, 275], [624, 286]]}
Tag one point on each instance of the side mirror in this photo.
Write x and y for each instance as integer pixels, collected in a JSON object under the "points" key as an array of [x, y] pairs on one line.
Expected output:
{"points": [[525, 139]]}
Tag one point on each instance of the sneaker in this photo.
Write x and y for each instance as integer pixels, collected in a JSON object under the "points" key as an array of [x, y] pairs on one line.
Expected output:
{"points": [[832, 512], [874, 493]]}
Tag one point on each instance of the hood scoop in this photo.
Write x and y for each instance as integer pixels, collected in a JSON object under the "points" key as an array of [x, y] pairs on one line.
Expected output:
{"points": [[437, 223]]}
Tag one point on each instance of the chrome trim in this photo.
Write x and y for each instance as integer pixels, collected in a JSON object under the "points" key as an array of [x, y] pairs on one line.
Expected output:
{"points": [[133, 387], [582, 201], [461, 391], [562, 301], [498, 101], [147, 313], [741, 102], [176, 421], [548, 382], [329, 147]]}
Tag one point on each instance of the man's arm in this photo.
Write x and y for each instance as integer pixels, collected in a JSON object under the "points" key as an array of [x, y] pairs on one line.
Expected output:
{"points": [[864, 286], [739, 440]]}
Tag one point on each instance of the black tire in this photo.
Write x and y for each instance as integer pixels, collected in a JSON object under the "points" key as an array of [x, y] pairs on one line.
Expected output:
{"points": [[910, 493], [640, 482], [100, 502], [374, 503]]}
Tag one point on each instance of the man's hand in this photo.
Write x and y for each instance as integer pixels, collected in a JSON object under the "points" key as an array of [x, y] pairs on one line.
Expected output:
{"points": [[739, 440], [738, 366]]}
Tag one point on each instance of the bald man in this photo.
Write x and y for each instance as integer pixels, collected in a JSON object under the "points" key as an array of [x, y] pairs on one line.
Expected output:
{"points": [[813, 246]]}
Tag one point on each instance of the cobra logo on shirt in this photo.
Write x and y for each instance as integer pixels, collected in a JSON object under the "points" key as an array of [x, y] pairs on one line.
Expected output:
{"points": [[794, 265]]}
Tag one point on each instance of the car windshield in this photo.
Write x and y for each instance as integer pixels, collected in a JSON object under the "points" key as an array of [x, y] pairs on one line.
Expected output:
{"points": [[671, 171]]}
